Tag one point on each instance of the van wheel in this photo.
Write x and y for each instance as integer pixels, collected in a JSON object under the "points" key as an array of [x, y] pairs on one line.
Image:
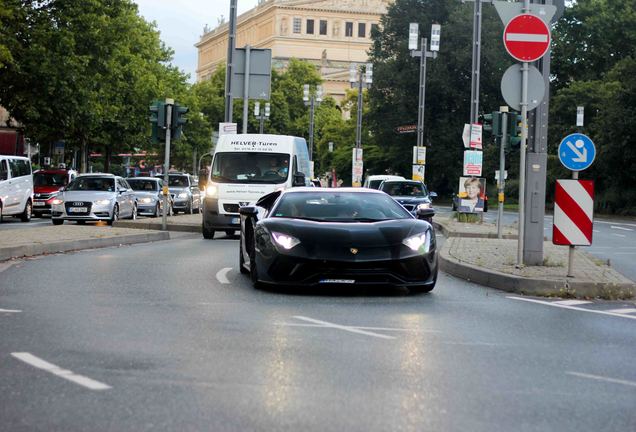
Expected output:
{"points": [[208, 234], [230, 233], [57, 221], [25, 216], [0, 212]]}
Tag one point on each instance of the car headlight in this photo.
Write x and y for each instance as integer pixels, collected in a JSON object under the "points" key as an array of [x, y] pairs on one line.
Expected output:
{"points": [[103, 202], [211, 191], [57, 201], [285, 240], [145, 200], [419, 242], [424, 206], [182, 195]]}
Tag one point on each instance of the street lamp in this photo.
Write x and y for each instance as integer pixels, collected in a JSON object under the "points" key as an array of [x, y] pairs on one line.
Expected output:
{"points": [[363, 76], [311, 99], [261, 116]]}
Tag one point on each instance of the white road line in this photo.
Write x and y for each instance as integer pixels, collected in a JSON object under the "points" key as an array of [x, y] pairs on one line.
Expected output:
{"points": [[596, 231], [10, 311], [622, 311], [572, 307], [614, 223], [221, 275], [618, 235], [620, 228], [5, 265], [288, 324], [623, 253], [37, 362], [572, 302], [602, 378], [345, 328]]}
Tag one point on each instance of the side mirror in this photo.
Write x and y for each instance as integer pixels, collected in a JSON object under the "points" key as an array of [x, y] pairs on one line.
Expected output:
{"points": [[62, 189], [426, 214], [433, 194], [299, 179], [248, 211]]}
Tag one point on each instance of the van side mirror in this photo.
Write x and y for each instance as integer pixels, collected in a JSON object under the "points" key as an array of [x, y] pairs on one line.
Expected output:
{"points": [[299, 179]]}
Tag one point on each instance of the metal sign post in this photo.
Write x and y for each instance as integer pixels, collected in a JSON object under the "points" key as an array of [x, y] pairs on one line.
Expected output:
{"points": [[165, 190], [501, 181]]}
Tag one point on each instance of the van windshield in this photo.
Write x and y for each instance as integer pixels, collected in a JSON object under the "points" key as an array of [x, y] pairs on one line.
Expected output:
{"points": [[253, 167]]}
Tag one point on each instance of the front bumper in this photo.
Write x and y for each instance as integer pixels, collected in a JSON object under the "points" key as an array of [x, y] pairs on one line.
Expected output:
{"points": [[92, 212], [212, 220]]}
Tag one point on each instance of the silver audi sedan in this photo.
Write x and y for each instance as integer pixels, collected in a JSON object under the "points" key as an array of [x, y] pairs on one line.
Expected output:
{"points": [[94, 197]]}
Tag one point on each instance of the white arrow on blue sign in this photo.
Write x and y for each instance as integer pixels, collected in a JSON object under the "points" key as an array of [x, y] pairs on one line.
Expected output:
{"points": [[577, 152]]}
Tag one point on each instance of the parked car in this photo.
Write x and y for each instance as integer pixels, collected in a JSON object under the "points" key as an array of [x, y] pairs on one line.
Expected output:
{"points": [[147, 191], [94, 197], [46, 185], [412, 194], [185, 192], [374, 181], [345, 236], [16, 187]]}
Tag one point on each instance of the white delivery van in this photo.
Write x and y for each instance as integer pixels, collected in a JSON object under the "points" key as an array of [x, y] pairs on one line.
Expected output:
{"points": [[16, 187], [244, 168]]}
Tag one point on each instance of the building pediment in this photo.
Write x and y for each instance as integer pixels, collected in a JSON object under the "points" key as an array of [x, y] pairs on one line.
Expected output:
{"points": [[367, 6]]}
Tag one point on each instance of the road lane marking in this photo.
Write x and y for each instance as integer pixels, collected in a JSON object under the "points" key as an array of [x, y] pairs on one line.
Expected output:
{"points": [[602, 378], [618, 235], [361, 328], [622, 311], [596, 231], [221, 276], [37, 362], [614, 223], [553, 304], [620, 228], [6, 265], [10, 311], [345, 328], [572, 302]]}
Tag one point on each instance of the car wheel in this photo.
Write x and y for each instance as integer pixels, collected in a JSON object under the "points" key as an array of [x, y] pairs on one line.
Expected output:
{"points": [[57, 221], [25, 216], [242, 268], [230, 233], [115, 216], [208, 234], [254, 268], [133, 216], [190, 209], [157, 210]]}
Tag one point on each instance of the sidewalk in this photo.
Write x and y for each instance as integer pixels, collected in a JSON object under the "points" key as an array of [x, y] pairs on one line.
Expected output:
{"points": [[182, 223], [473, 252], [68, 237]]}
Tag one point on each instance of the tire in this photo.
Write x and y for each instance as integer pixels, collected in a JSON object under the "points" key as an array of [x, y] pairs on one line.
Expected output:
{"points": [[208, 234], [0, 212], [230, 233], [133, 216], [190, 209], [115, 215], [254, 269], [57, 221], [157, 211], [25, 216], [242, 268]]}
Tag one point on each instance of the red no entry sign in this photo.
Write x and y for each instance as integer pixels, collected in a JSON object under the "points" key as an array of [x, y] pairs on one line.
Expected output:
{"points": [[526, 37]]}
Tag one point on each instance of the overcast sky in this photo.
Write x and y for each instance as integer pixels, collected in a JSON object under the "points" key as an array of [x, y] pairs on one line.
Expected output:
{"points": [[181, 24]]}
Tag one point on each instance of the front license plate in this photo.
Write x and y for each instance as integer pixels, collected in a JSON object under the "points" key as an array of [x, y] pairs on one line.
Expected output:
{"points": [[39, 204], [236, 221], [77, 210], [337, 281]]}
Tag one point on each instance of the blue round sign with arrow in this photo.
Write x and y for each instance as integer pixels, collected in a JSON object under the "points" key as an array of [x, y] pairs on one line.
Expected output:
{"points": [[577, 152]]}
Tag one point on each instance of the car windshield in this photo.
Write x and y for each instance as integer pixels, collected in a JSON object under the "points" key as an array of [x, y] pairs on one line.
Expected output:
{"points": [[49, 179], [178, 181], [339, 207], [374, 184], [252, 167], [144, 185], [412, 189], [106, 184]]}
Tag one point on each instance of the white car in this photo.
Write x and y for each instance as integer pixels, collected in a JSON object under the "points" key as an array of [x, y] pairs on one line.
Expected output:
{"points": [[16, 187], [94, 197], [374, 181]]}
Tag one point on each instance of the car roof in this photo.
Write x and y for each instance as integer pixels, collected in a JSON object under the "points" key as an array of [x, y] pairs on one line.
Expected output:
{"points": [[97, 175], [54, 171], [143, 178], [340, 189], [385, 177]]}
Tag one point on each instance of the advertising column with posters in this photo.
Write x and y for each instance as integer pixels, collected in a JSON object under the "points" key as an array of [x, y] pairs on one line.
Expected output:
{"points": [[419, 163], [472, 195], [356, 171]]}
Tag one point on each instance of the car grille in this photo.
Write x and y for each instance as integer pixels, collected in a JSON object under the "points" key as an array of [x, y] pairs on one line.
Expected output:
{"points": [[42, 196], [231, 208], [71, 204]]}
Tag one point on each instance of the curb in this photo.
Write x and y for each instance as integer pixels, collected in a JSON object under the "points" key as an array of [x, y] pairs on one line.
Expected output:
{"points": [[532, 286], [448, 233], [156, 226], [7, 253]]}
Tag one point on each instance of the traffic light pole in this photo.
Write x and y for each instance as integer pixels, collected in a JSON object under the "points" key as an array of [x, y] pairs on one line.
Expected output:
{"points": [[501, 183], [165, 189], [231, 42]]}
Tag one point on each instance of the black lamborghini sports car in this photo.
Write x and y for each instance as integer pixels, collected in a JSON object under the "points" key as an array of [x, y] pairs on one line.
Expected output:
{"points": [[311, 236]]}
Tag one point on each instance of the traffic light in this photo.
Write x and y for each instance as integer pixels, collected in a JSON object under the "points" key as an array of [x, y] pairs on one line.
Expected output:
{"points": [[158, 121], [492, 123], [514, 130], [178, 120]]}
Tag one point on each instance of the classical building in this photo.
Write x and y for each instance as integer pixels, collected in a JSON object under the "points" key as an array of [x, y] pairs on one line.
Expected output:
{"points": [[331, 34]]}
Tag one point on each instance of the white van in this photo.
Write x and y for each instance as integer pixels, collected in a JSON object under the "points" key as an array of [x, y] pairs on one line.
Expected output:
{"points": [[374, 181], [246, 167], [16, 187]]}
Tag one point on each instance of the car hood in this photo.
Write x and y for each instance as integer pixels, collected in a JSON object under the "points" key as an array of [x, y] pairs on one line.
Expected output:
{"points": [[46, 189], [146, 194], [87, 195], [175, 189]]}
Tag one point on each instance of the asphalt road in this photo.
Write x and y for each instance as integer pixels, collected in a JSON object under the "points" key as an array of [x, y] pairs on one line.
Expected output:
{"points": [[169, 336], [612, 239]]}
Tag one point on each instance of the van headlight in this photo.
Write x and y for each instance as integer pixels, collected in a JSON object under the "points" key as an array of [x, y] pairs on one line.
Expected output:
{"points": [[211, 191], [419, 242]]}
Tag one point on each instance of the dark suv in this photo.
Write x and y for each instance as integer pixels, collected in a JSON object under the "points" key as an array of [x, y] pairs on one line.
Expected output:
{"points": [[412, 194]]}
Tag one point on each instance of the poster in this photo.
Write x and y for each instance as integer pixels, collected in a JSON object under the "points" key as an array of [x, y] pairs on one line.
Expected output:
{"points": [[472, 195], [472, 163], [418, 172]]}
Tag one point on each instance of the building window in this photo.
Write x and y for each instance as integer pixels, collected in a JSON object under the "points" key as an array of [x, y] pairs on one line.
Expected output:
{"points": [[323, 27], [349, 29], [310, 26], [374, 29], [362, 30], [297, 24]]}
